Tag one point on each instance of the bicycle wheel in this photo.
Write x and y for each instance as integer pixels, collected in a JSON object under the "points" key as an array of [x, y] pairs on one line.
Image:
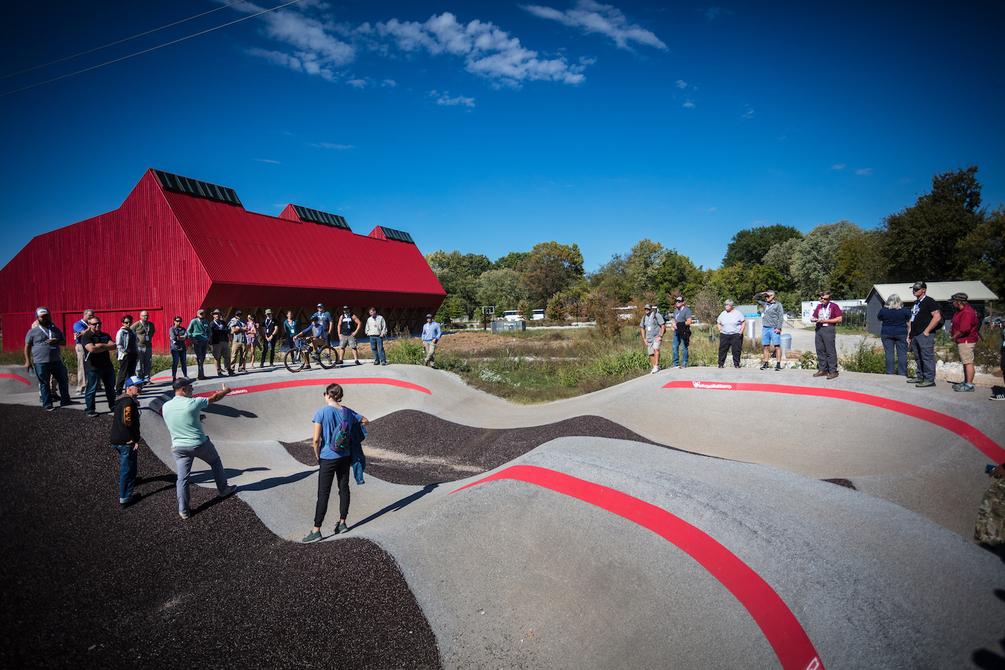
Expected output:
{"points": [[327, 358], [293, 361]]}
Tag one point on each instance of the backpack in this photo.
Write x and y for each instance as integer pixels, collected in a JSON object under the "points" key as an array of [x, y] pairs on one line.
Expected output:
{"points": [[341, 440]]}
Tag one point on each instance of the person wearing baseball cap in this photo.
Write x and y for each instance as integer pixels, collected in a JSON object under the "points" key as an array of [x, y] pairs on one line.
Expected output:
{"points": [[182, 416], [126, 438], [270, 333], [925, 318], [431, 334], [965, 333], [219, 340], [41, 349], [653, 326], [198, 332], [325, 319]]}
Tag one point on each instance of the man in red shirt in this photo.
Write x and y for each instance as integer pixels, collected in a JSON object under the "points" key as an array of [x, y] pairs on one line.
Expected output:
{"points": [[826, 316], [965, 333]]}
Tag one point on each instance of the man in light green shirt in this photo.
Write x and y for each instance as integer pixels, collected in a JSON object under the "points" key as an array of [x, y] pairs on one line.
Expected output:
{"points": [[183, 418]]}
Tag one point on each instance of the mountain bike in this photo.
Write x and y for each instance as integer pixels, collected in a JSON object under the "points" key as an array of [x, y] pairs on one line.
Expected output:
{"points": [[295, 358]]}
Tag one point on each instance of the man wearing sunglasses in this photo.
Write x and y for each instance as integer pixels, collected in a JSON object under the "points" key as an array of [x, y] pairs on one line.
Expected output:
{"points": [[827, 316], [925, 318], [97, 365]]}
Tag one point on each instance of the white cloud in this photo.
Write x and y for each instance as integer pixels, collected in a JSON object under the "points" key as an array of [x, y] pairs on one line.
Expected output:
{"points": [[266, 160], [688, 104], [487, 51], [447, 101], [337, 147], [864, 171], [593, 17], [681, 83], [749, 114], [839, 166], [357, 83], [389, 82], [712, 13]]}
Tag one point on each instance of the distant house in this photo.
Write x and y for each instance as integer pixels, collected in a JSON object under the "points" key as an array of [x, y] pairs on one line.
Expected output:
{"points": [[939, 291]]}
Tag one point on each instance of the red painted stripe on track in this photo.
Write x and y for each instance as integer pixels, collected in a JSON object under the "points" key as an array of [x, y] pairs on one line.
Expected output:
{"points": [[9, 375], [319, 382], [985, 444], [784, 632]]}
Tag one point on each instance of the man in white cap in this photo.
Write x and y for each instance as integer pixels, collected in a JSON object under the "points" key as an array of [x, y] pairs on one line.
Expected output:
{"points": [[41, 348], [653, 326], [325, 319], [188, 441]]}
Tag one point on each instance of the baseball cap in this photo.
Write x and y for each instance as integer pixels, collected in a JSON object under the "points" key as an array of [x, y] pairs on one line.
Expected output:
{"points": [[40, 311], [181, 383], [237, 313], [648, 306], [959, 296], [216, 311], [919, 284], [429, 316], [345, 308], [679, 298], [135, 381], [320, 305], [201, 312], [268, 311]]}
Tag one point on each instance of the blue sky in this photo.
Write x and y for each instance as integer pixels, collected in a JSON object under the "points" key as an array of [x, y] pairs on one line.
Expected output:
{"points": [[489, 127]]}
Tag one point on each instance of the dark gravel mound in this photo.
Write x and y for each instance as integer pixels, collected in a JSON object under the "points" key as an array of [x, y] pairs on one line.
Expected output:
{"points": [[87, 585], [434, 450]]}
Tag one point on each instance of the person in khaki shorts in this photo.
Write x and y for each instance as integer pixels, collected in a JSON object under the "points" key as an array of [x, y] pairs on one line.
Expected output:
{"points": [[964, 333]]}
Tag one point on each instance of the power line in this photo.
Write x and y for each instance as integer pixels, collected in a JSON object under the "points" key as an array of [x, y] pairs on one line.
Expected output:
{"points": [[90, 51], [140, 53]]}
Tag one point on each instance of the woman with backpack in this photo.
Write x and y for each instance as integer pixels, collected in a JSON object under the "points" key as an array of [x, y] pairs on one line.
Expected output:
{"points": [[333, 430]]}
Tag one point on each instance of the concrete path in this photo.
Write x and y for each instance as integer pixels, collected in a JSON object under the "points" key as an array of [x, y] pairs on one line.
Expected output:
{"points": [[588, 552]]}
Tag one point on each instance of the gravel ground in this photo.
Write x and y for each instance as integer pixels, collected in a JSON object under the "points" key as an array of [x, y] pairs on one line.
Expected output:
{"points": [[88, 585], [417, 448]]}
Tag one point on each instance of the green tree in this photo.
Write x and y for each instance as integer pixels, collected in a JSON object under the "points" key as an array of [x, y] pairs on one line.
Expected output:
{"points": [[458, 275], [511, 260], [612, 277], [749, 246], [677, 275], [550, 268], [924, 241], [816, 256], [501, 289], [858, 265], [984, 249], [781, 257], [740, 282], [642, 265]]}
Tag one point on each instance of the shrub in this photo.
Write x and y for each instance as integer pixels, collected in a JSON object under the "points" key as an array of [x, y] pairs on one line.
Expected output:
{"points": [[866, 359], [600, 308], [404, 352], [987, 353]]}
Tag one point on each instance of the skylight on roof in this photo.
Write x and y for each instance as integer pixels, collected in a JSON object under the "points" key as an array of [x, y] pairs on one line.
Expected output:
{"points": [[324, 218], [197, 188]]}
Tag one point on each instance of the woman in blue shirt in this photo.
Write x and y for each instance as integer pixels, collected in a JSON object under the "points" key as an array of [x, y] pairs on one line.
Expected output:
{"points": [[894, 317], [329, 423]]}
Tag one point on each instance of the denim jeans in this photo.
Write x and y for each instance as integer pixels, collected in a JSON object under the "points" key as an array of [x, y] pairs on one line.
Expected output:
{"points": [[200, 354], [183, 457], [143, 360], [176, 357], [896, 343], [377, 347], [45, 371], [106, 377], [678, 342], [127, 470]]}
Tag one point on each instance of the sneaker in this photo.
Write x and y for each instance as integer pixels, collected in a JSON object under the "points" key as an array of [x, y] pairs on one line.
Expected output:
{"points": [[357, 362], [90, 414], [49, 408], [819, 373], [384, 363], [766, 365], [184, 515], [376, 362], [832, 375], [958, 386], [313, 536], [655, 369], [778, 367], [913, 380], [720, 367], [342, 528], [129, 501], [227, 491], [925, 385], [966, 387]]}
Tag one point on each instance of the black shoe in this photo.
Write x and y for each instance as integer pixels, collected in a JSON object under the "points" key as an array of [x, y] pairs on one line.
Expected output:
{"points": [[766, 365], [131, 500], [778, 367], [357, 362], [202, 377]]}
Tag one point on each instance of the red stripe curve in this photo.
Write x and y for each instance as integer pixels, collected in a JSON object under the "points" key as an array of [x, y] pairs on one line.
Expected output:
{"points": [[985, 444], [320, 382], [9, 375], [784, 632]]}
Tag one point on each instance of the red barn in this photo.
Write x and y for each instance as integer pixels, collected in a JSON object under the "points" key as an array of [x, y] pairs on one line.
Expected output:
{"points": [[177, 245]]}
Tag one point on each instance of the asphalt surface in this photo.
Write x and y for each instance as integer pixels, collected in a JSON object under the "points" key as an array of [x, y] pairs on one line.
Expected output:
{"points": [[512, 573]]}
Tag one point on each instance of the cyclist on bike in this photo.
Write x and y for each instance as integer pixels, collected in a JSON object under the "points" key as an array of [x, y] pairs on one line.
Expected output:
{"points": [[312, 335]]}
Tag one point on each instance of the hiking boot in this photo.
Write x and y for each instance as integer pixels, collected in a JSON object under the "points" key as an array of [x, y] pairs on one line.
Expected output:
{"points": [[766, 365], [832, 375], [925, 385], [227, 491], [819, 373], [313, 536]]}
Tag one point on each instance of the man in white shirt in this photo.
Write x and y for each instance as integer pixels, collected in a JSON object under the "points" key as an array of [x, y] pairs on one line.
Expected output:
{"points": [[376, 330]]}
